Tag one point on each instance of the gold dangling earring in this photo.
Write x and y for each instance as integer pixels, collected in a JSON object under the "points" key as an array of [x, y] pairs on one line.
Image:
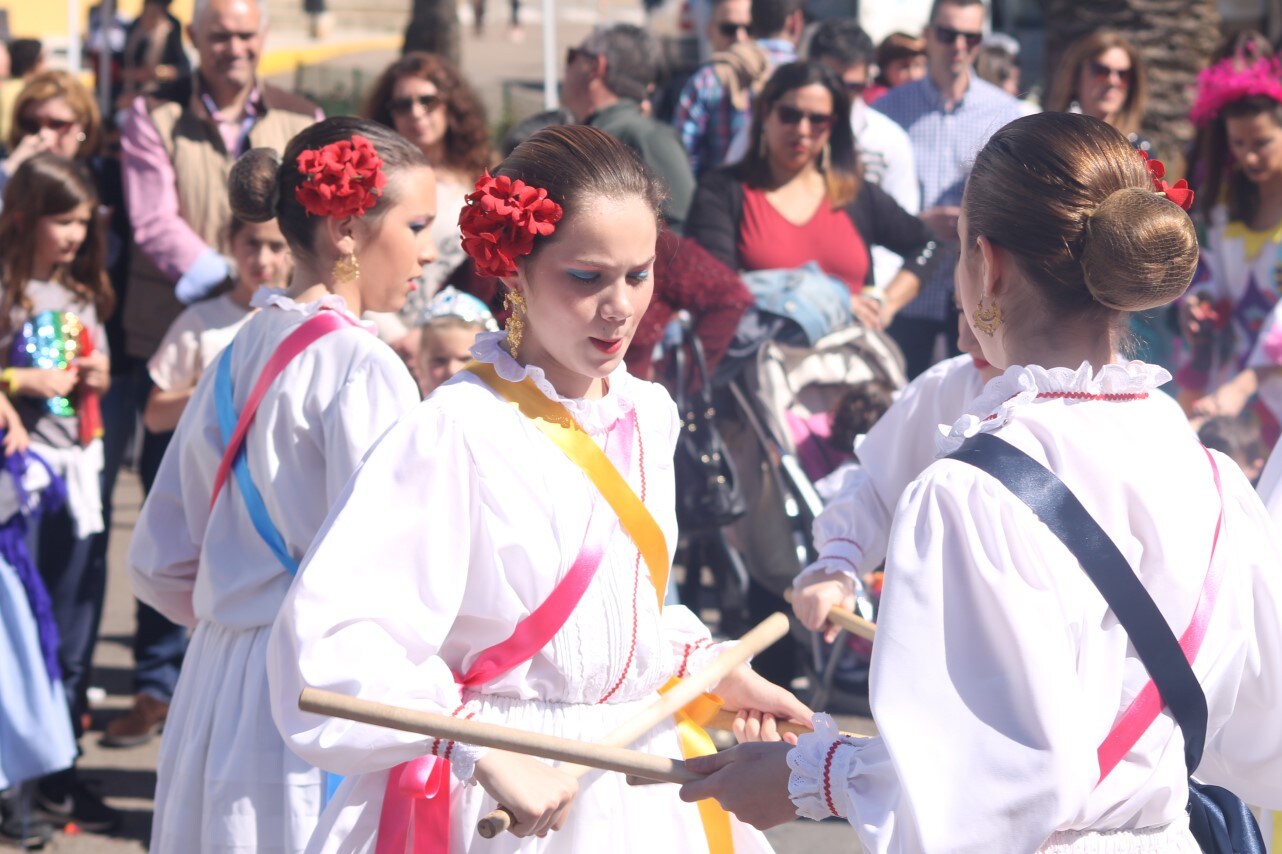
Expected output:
{"points": [[515, 304], [987, 318], [825, 155], [346, 268]]}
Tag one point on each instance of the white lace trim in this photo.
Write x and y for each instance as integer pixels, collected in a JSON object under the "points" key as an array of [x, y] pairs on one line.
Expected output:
{"points": [[596, 417], [266, 296], [822, 764], [1021, 385]]}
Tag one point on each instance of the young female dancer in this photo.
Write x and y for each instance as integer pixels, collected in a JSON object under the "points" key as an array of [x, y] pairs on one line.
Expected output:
{"points": [[466, 517], [999, 672], [217, 548]]}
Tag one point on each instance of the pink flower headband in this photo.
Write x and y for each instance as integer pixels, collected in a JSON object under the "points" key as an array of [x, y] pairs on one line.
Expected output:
{"points": [[1232, 80]]}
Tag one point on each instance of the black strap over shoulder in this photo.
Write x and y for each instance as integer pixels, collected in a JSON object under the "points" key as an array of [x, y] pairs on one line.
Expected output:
{"points": [[1057, 507]]}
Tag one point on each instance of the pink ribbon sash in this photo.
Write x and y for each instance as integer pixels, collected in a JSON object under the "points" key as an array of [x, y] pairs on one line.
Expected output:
{"points": [[416, 802], [1148, 704]]}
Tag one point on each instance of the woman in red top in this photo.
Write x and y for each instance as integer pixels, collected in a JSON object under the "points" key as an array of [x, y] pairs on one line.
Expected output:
{"points": [[798, 197]]}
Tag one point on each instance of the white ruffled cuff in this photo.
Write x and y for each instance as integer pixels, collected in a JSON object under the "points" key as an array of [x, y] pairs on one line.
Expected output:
{"points": [[462, 757], [839, 556], [693, 657], [821, 766]]}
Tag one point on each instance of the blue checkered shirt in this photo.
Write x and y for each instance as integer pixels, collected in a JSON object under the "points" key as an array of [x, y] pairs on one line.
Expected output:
{"points": [[944, 146], [705, 119]]}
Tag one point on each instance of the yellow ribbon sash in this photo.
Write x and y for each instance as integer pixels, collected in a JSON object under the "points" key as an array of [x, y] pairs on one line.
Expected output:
{"points": [[556, 422]]}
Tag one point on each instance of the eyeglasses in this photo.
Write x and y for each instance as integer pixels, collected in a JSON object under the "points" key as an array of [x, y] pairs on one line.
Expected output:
{"points": [[731, 30], [31, 125], [949, 36], [856, 88], [577, 52], [1100, 71], [792, 116], [401, 106]]}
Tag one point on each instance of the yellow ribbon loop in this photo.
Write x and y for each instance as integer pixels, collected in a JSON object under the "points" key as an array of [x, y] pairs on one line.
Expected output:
{"points": [[695, 741]]}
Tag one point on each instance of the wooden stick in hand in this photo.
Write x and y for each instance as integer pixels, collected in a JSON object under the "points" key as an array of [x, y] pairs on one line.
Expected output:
{"points": [[634, 762], [683, 694], [848, 620]]}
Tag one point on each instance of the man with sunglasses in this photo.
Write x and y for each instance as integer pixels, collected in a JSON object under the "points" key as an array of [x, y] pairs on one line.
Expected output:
{"points": [[716, 102], [949, 115], [607, 78], [178, 144]]}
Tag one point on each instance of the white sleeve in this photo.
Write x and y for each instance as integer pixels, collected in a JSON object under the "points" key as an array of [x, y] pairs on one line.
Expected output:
{"points": [[975, 685], [176, 363], [850, 534], [376, 596], [1245, 753], [900, 178]]}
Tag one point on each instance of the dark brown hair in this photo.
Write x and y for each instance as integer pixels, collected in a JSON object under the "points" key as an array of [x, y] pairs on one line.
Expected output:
{"points": [[467, 141], [50, 185], [1063, 91], [842, 173], [575, 163], [59, 84], [262, 183], [1074, 204]]}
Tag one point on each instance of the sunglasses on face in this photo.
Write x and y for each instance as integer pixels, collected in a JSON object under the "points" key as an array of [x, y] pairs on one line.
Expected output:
{"points": [[402, 106], [730, 30], [577, 52], [1100, 71], [949, 36], [856, 88], [30, 125], [819, 122]]}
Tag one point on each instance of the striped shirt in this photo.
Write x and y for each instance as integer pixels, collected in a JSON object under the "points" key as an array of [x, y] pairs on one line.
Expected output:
{"points": [[945, 143]]}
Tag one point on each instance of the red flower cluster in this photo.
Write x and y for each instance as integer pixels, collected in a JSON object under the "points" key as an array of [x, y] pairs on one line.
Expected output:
{"points": [[500, 221], [1178, 193], [344, 178]]}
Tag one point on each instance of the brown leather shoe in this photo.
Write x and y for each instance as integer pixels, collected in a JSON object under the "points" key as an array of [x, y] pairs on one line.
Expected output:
{"points": [[137, 726]]}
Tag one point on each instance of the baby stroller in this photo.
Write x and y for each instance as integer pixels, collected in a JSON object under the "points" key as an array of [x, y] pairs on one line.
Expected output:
{"points": [[772, 413]]}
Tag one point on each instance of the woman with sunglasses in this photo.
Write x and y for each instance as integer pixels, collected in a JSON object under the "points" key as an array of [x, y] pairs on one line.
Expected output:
{"points": [[1102, 76], [425, 99], [798, 197], [53, 112]]}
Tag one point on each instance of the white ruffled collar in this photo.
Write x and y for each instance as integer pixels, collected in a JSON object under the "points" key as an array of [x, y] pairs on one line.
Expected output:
{"points": [[267, 296], [1022, 385], [596, 417]]}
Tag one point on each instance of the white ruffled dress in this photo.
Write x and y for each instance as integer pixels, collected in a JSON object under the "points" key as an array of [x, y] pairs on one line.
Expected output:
{"points": [[461, 521], [227, 783], [998, 669]]}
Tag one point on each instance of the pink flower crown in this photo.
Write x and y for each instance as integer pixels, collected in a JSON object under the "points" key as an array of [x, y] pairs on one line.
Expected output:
{"points": [[1232, 80]]}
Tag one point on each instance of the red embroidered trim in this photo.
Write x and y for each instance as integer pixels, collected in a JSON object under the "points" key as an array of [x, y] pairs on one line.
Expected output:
{"points": [[449, 745], [827, 781], [683, 670], [1125, 397], [636, 574]]}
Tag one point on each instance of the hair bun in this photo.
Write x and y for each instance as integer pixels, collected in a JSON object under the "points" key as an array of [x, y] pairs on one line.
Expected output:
{"points": [[1139, 250], [254, 185]]}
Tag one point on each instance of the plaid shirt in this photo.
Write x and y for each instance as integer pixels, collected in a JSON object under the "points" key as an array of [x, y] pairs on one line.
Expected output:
{"points": [[945, 144], [705, 119]]}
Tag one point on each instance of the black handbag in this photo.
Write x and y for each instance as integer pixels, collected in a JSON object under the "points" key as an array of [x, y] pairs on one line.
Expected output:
{"points": [[708, 494], [1221, 823]]}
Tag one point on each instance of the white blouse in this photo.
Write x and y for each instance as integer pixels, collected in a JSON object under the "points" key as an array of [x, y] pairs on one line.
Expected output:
{"points": [[315, 423], [998, 668], [461, 521], [851, 532]]}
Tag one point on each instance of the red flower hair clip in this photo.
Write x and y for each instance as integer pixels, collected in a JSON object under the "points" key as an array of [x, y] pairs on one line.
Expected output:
{"points": [[500, 221], [344, 178], [1178, 192]]}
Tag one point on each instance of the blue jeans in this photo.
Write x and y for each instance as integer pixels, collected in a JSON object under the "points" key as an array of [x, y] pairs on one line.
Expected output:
{"points": [[159, 645]]}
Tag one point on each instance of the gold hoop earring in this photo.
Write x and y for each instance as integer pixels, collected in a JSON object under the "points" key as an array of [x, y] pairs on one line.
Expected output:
{"points": [[346, 268], [515, 304], [987, 318]]}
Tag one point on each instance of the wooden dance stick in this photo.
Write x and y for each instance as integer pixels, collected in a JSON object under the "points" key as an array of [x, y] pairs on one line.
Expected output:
{"points": [[668, 704], [634, 762], [848, 620]]}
